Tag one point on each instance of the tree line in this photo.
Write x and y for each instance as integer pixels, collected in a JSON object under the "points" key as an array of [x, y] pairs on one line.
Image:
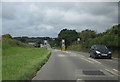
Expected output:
{"points": [[88, 37], [36, 40], [110, 38]]}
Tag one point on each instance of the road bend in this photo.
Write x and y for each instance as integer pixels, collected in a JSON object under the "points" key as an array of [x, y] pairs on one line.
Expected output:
{"points": [[78, 66]]}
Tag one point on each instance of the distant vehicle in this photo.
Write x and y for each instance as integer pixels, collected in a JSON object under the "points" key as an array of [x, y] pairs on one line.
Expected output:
{"points": [[100, 51]]}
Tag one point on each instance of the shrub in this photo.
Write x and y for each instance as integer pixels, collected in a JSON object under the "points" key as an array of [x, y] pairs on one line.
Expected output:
{"points": [[6, 36]]}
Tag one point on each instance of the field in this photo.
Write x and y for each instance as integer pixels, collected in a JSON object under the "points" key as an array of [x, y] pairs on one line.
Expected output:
{"points": [[0, 63], [0, 59], [20, 62]]}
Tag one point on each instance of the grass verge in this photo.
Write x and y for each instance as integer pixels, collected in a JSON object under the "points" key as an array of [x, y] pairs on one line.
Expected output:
{"points": [[20, 63]]}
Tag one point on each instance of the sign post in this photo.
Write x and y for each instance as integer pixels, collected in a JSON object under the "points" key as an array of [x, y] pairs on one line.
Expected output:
{"points": [[63, 45], [45, 43], [41, 45], [78, 40]]}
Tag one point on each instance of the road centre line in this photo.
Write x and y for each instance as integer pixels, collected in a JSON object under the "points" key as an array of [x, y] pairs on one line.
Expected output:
{"points": [[79, 79], [94, 60], [115, 70], [67, 52], [83, 57], [111, 72], [61, 55], [86, 60]]}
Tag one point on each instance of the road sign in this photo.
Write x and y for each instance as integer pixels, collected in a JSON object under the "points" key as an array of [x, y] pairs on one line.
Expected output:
{"points": [[78, 39], [63, 40], [63, 45], [45, 42], [41, 45]]}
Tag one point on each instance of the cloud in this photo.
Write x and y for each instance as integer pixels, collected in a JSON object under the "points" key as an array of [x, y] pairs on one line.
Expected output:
{"points": [[49, 27], [52, 16], [8, 11], [46, 27], [47, 19], [33, 8], [71, 17]]}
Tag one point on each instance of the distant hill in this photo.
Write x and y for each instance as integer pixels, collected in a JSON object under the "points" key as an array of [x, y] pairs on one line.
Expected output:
{"points": [[8, 42]]}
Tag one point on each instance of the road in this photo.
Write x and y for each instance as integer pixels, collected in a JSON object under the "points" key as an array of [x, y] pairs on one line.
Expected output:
{"points": [[78, 67]]}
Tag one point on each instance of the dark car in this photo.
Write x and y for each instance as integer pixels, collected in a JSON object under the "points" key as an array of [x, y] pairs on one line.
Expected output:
{"points": [[99, 51]]}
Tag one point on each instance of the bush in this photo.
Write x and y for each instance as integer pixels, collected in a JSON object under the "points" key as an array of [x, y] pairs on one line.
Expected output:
{"points": [[6, 36]]}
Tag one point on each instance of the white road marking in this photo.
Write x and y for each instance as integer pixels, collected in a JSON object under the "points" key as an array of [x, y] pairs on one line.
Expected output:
{"points": [[94, 60], [111, 72], [79, 79], [86, 60], [67, 52], [57, 50], [115, 70], [61, 55]]}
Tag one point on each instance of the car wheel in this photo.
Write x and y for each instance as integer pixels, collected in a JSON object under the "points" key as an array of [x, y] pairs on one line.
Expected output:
{"points": [[94, 57], [109, 57], [90, 55]]}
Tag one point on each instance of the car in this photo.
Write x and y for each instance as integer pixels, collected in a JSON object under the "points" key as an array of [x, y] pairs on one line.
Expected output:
{"points": [[100, 51]]}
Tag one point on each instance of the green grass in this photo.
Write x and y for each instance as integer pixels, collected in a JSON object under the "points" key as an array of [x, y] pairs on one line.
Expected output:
{"points": [[0, 64], [8, 43], [77, 47], [0, 59], [22, 63], [116, 54]]}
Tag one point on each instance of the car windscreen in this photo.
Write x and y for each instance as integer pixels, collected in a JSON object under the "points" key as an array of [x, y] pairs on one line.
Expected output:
{"points": [[101, 47]]}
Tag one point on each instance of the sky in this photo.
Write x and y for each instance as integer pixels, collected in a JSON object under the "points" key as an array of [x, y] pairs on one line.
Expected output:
{"points": [[47, 19]]}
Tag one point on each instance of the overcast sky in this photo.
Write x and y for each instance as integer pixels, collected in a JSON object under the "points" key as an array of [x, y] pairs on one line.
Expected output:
{"points": [[41, 19]]}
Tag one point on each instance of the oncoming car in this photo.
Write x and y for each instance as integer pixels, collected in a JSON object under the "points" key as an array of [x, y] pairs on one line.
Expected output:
{"points": [[100, 51]]}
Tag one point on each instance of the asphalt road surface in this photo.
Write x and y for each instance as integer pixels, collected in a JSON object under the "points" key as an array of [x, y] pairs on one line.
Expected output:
{"points": [[78, 67]]}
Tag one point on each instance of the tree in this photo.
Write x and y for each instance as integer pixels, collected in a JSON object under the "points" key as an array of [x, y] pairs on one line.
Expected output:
{"points": [[87, 34], [69, 35], [38, 43], [109, 38]]}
